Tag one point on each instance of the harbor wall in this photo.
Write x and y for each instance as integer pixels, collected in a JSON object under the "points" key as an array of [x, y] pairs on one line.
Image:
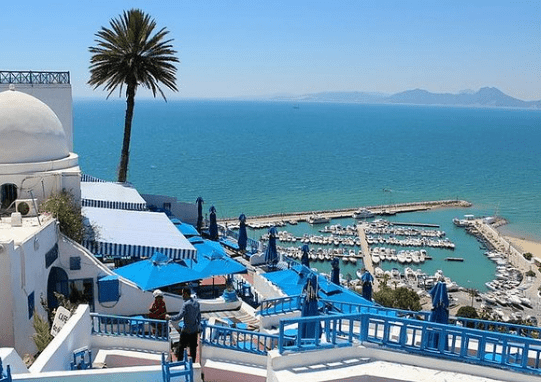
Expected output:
{"points": [[348, 212]]}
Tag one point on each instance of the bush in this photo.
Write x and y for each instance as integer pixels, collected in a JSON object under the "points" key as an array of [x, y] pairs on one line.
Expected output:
{"points": [[68, 213], [530, 273], [467, 312], [400, 298], [528, 256], [42, 337]]}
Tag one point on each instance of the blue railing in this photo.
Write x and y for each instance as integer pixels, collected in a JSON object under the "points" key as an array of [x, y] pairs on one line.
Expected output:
{"points": [[398, 331], [279, 305], [177, 369], [157, 330], [30, 77], [238, 339], [287, 304], [414, 336], [500, 327]]}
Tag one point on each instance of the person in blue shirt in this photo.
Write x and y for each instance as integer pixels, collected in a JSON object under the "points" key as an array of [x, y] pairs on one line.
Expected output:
{"points": [[191, 313]]}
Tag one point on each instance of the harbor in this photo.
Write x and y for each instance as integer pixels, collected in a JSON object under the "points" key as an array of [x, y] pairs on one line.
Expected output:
{"points": [[375, 244]]}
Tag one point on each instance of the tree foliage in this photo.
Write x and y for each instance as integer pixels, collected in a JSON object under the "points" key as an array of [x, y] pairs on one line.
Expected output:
{"points": [[130, 53], [399, 298], [467, 312], [68, 213]]}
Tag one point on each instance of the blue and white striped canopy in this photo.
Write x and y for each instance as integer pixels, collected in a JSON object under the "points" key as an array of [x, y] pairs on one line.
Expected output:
{"points": [[111, 195], [122, 233]]}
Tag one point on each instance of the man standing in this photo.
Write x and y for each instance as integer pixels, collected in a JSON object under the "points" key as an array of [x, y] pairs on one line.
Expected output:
{"points": [[191, 314]]}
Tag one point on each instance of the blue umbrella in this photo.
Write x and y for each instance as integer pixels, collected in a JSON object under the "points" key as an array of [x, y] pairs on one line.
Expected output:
{"points": [[335, 271], [271, 254], [309, 307], [213, 225], [440, 310], [215, 263], [305, 260], [243, 236], [157, 272], [199, 202], [367, 279]]}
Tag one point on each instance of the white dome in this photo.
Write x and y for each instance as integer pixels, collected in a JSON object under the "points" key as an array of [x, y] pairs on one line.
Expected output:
{"points": [[29, 130]]}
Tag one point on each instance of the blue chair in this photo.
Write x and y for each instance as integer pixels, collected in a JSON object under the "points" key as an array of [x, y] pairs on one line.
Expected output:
{"points": [[82, 359], [177, 369]]}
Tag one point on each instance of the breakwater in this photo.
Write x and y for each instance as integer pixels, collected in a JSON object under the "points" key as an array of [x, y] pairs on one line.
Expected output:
{"points": [[386, 209]]}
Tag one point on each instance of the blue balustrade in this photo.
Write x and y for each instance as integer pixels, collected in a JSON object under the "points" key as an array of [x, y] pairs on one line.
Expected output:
{"points": [[238, 339], [279, 305], [157, 330], [401, 330]]}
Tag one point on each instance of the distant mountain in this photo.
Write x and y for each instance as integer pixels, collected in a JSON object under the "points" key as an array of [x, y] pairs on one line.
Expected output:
{"points": [[484, 97]]}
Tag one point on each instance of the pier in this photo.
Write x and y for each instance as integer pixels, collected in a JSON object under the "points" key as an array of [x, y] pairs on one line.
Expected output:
{"points": [[348, 212]]}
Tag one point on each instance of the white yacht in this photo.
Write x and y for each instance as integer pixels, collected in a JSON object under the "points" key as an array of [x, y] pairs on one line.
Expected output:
{"points": [[363, 213], [318, 219]]}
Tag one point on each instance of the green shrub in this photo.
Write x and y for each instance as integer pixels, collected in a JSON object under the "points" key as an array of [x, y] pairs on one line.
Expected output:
{"points": [[527, 255], [42, 337], [68, 213]]}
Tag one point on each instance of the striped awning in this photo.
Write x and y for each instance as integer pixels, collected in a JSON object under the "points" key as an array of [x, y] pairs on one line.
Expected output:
{"points": [[112, 196], [137, 234]]}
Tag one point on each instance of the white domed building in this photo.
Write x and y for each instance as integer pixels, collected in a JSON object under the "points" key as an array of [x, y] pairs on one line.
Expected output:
{"points": [[35, 161]]}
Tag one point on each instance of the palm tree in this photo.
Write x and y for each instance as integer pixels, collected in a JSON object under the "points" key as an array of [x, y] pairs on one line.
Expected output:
{"points": [[130, 53]]}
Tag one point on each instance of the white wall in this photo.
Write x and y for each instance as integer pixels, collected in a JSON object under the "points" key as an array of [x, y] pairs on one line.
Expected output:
{"points": [[27, 274], [187, 212], [7, 336]]}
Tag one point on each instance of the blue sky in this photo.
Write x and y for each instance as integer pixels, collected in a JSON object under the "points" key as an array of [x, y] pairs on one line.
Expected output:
{"points": [[258, 48]]}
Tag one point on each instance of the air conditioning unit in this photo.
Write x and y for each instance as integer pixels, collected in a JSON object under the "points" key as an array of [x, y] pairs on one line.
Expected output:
{"points": [[25, 207]]}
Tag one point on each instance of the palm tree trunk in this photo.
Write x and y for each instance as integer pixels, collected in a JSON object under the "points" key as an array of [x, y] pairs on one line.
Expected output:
{"points": [[125, 153]]}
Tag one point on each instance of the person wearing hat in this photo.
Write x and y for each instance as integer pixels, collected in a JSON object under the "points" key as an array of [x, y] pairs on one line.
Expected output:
{"points": [[157, 310]]}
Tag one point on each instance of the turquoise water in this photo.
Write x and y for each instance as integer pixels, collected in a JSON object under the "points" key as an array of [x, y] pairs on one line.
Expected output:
{"points": [[268, 157]]}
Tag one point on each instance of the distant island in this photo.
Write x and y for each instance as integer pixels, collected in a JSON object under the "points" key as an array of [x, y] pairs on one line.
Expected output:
{"points": [[484, 97]]}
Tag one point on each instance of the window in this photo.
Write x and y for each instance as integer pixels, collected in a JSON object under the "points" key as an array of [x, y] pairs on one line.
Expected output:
{"points": [[8, 194]]}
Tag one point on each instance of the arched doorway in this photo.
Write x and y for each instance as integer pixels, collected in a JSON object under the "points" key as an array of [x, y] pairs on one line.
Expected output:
{"points": [[8, 194], [57, 282]]}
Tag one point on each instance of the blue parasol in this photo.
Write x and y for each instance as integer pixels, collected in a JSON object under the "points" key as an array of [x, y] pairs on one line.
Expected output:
{"points": [[335, 271], [367, 279], [243, 236], [305, 260], [199, 202], [440, 310], [157, 272], [309, 307], [213, 225], [271, 254]]}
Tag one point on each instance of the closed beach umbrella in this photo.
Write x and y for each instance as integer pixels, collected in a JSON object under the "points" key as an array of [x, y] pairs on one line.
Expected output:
{"points": [[309, 307], [440, 309], [305, 259], [335, 271], [243, 236], [213, 224], [199, 202], [271, 254], [367, 279]]}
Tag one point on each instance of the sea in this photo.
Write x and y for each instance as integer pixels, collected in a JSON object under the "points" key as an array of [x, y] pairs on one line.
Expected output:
{"points": [[262, 157]]}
